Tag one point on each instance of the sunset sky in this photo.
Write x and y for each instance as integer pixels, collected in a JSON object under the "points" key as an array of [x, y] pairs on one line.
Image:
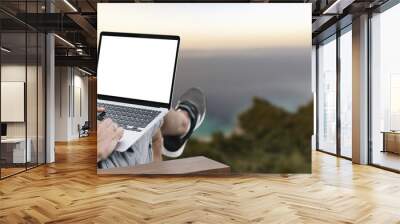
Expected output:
{"points": [[213, 26], [233, 52]]}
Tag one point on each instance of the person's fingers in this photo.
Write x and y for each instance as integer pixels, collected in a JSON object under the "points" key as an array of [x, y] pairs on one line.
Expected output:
{"points": [[106, 128], [109, 134], [107, 122], [114, 143], [120, 133], [107, 146], [113, 131], [100, 109], [103, 126], [116, 134], [115, 126]]}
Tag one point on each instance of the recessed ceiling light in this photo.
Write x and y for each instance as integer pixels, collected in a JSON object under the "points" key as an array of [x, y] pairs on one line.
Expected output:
{"points": [[84, 71], [337, 7], [64, 40], [5, 50], [70, 5]]}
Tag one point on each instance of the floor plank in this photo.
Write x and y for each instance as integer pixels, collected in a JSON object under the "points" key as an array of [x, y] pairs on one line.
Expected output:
{"points": [[69, 191]]}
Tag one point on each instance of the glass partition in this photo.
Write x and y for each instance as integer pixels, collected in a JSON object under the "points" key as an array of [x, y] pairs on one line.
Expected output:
{"points": [[14, 154], [41, 109], [23, 89], [33, 61], [32, 96]]}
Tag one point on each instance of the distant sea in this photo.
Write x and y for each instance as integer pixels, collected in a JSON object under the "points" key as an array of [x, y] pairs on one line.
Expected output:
{"points": [[212, 125], [231, 79]]}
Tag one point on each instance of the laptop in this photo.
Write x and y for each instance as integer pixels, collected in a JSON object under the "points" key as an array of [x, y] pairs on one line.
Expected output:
{"points": [[135, 79]]}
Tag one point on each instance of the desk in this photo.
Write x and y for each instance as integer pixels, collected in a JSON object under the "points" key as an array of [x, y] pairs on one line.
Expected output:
{"points": [[391, 141], [185, 166], [13, 150]]}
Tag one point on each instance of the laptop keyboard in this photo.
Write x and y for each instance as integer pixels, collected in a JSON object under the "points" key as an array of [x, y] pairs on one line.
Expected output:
{"points": [[129, 118]]}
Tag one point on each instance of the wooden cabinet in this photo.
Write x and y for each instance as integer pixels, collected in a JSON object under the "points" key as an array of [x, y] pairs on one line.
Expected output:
{"points": [[391, 142]]}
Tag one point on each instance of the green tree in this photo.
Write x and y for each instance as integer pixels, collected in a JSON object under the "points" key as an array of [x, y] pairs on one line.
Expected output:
{"points": [[270, 139]]}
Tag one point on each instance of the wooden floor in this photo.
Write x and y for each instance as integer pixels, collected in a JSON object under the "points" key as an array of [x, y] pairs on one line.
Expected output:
{"points": [[387, 159], [69, 191], [10, 171]]}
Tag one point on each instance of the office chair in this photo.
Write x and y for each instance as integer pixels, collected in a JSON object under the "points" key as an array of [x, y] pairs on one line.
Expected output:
{"points": [[84, 130]]}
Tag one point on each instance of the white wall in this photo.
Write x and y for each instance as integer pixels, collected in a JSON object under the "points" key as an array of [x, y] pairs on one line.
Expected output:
{"points": [[62, 81], [17, 73], [82, 82], [34, 125], [79, 117], [70, 83], [14, 72]]}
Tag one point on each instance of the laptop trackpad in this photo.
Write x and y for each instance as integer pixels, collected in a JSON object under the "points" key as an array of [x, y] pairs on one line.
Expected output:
{"points": [[127, 140]]}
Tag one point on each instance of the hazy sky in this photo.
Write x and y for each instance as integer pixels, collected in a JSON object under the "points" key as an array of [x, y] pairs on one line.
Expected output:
{"points": [[232, 51], [214, 26]]}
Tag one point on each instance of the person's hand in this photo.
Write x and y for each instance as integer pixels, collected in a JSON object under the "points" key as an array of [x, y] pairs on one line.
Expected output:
{"points": [[108, 135], [100, 109]]}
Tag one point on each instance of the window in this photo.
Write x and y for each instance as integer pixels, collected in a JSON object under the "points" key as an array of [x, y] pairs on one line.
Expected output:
{"points": [[385, 89], [346, 92], [327, 96]]}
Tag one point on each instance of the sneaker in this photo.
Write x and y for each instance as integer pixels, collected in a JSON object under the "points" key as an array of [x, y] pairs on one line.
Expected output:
{"points": [[193, 101]]}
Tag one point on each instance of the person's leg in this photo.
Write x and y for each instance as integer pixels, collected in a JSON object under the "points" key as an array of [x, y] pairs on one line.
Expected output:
{"points": [[157, 143], [189, 114], [176, 122]]}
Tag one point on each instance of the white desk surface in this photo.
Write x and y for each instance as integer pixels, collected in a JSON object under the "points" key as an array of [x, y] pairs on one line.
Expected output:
{"points": [[13, 140]]}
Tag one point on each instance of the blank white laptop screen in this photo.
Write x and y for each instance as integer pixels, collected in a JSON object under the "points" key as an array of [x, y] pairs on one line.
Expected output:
{"points": [[136, 68]]}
